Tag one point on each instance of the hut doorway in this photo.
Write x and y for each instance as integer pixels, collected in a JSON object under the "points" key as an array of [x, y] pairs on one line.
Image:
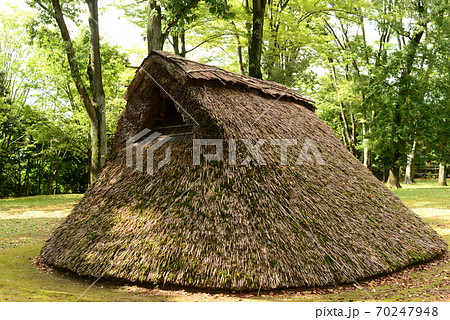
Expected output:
{"points": [[167, 120]]}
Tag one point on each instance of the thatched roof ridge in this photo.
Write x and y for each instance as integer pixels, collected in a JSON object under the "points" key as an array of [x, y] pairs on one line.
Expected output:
{"points": [[184, 70], [235, 227]]}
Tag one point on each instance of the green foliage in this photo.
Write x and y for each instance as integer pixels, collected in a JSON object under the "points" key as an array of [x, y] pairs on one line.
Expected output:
{"points": [[219, 36], [180, 17], [136, 10], [44, 131], [352, 57], [71, 9], [392, 87]]}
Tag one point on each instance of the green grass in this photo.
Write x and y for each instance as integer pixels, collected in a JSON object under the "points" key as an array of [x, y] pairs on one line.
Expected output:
{"points": [[23, 232], [25, 223], [46, 203], [30, 220], [424, 194]]}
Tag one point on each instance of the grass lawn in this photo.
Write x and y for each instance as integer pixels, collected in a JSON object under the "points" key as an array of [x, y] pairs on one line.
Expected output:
{"points": [[25, 223], [425, 194]]}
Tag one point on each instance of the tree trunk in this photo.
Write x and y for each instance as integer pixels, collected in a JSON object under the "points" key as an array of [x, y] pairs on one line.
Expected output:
{"points": [[353, 135], [409, 172], [255, 49], [49, 184], [155, 37], [238, 49], [404, 93], [176, 49], [394, 172], [98, 145], [348, 130], [394, 178], [98, 123], [367, 154], [179, 44], [50, 178], [20, 177], [27, 177], [239, 54], [95, 106], [40, 191], [442, 181], [183, 43]]}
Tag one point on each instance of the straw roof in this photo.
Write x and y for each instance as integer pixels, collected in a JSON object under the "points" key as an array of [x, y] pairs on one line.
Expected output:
{"points": [[236, 227]]}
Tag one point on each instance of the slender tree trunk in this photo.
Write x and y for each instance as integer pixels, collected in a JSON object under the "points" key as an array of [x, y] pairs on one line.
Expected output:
{"points": [[348, 130], [238, 49], [98, 123], [348, 135], [442, 181], [27, 177], [409, 171], [353, 135], [367, 154], [394, 170], [274, 54], [255, 49], [20, 178], [175, 44], [56, 175], [49, 185], [183, 43], [384, 173], [155, 37], [239, 54], [98, 145], [50, 178], [95, 105], [179, 43], [39, 177], [90, 161], [1, 170], [248, 27]]}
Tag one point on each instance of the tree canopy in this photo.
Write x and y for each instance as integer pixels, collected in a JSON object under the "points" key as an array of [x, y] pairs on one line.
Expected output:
{"points": [[378, 70]]}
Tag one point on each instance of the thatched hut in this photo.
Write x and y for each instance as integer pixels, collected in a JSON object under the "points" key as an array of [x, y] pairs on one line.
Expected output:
{"points": [[239, 227]]}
